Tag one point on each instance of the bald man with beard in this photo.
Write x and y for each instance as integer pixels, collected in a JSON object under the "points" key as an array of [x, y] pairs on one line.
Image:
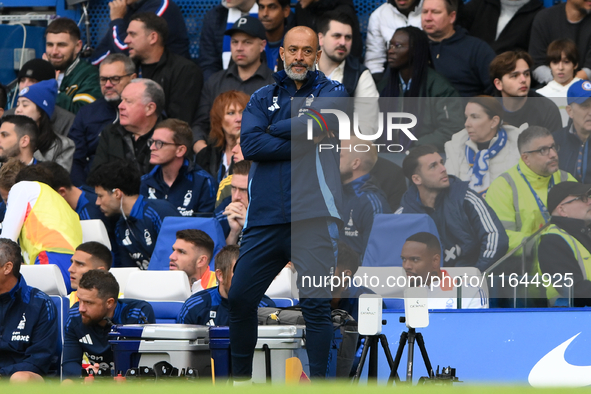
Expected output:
{"points": [[292, 215]]}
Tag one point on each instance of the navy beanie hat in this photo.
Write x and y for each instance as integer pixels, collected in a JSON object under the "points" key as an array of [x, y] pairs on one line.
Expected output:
{"points": [[43, 94]]}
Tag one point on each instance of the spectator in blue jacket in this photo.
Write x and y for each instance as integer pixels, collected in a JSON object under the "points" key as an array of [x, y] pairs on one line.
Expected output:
{"points": [[209, 307], [90, 321], [362, 198], [292, 215], [574, 138], [471, 234], [115, 73], [117, 186], [29, 337], [120, 13], [187, 186]]}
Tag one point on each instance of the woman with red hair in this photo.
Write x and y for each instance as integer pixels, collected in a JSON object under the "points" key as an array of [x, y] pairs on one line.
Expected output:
{"points": [[226, 120]]}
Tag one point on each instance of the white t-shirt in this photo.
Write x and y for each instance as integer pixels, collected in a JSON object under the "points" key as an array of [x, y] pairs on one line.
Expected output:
{"points": [[557, 93]]}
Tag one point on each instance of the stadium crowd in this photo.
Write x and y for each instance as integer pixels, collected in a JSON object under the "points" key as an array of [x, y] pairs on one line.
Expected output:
{"points": [[501, 91]]}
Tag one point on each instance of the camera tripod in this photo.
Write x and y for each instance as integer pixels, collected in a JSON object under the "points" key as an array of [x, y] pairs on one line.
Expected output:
{"points": [[371, 346]]}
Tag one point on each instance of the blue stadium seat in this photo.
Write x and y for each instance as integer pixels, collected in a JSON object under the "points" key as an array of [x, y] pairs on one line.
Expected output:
{"points": [[388, 234], [167, 237], [394, 303], [63, 307], [166, 311], [284, 302]]}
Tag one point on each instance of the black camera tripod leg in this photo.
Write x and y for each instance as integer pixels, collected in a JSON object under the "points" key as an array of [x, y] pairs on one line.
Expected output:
{"points": [[411, 354], [394, 368], [372, 369], [366, 346], [423, 349], [386, 347]]}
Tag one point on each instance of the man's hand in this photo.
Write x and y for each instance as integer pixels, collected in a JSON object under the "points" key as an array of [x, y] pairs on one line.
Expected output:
{"points": [[236, 213], [582, 74], [319, 138], [118, 9], [197, 146]]}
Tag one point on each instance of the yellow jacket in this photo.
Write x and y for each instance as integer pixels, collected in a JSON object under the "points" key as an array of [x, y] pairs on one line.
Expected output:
{"points": [[515, 205]]}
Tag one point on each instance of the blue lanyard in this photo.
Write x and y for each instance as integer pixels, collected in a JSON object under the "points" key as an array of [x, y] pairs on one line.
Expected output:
{"points": [[541, 205]]}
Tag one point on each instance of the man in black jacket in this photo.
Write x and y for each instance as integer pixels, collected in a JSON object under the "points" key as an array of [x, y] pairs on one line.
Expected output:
{"points": [[481, 19], [310, 12], [181, 79], [142, 102]]}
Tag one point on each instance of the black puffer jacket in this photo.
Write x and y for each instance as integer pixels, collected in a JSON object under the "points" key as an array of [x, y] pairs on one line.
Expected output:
{"points": [[480, 18], [312, 15]]}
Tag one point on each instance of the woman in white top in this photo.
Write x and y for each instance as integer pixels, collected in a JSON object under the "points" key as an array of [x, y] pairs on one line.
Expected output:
{"points": [[485, 148], [563, 58]]}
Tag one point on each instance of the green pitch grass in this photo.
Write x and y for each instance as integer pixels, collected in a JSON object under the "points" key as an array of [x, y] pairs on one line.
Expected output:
{"points": [[161, 387]]}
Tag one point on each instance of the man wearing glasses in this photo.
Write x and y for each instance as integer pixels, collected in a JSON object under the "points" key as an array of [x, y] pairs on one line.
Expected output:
{"points": [[565, 246], [115, 73], [520, 196], [186, 185], [142, 103]]}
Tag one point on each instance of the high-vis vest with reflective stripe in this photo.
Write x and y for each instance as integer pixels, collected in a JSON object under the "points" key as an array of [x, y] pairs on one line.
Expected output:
{"points": [[521, 217], [581, 254], [50, 225]]}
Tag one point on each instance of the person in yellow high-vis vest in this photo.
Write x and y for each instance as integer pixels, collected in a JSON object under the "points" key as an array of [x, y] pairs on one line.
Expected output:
{"points": [[519, 195], [46, 227], [565, 247]]}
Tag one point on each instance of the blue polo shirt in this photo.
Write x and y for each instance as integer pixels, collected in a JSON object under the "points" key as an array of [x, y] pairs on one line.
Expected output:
{"points": [[28, 331], [209, 308], [137, 235], [362, 200], [92, 341], [192, 191]]}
